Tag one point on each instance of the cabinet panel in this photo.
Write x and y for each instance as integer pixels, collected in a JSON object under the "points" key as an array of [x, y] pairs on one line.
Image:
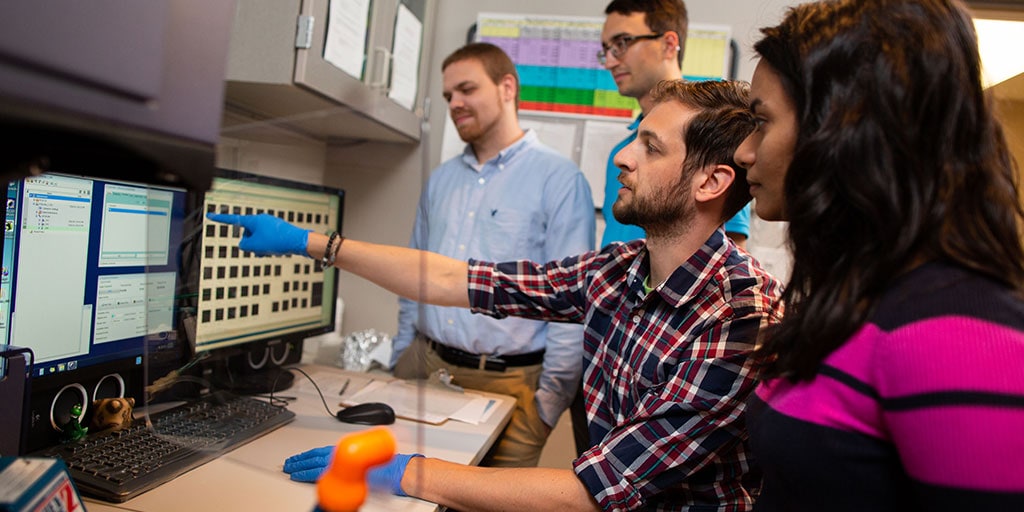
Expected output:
{"points": [[124, 57], [270, 80], [113, 88]]}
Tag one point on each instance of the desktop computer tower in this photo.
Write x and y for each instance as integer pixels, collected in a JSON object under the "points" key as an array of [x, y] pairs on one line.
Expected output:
{"points": [[14, 392]]}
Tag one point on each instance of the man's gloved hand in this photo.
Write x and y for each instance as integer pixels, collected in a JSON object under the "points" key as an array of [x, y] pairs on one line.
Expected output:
{"points": [[309, 465], [266, 235]]}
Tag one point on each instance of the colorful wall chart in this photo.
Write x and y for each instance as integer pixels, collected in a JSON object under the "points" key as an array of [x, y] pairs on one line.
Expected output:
{"points": [[558, 68]]}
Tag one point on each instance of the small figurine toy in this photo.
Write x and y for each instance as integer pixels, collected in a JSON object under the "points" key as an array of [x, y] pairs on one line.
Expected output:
{"points": [[73, 430], [111, 414]]}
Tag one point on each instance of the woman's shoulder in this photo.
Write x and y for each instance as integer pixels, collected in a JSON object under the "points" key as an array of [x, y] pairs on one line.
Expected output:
{"points": [[935, 291]]}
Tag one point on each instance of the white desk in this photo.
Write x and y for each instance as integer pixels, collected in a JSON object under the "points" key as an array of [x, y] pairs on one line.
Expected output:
{"points": [[250, 477]]}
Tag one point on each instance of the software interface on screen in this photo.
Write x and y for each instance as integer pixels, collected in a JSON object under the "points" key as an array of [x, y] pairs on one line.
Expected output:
{"points": [[245, 298], [89, 268]]}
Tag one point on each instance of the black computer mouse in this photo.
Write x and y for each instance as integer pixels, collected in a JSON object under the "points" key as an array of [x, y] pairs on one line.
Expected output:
{"points": [[369, 413]]}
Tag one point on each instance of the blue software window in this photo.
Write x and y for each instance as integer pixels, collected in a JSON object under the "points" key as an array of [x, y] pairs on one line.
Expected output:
{"points": [[89, 268]]}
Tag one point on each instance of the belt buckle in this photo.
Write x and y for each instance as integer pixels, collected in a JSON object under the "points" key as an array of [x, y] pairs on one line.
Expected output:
{"points": [[495, 364]]}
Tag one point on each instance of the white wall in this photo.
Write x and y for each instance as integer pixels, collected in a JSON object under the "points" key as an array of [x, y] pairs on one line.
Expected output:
{"points": [[382, 183]]}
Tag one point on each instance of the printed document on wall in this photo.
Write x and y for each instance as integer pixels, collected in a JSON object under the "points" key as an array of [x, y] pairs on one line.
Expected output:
{"points": [[557, 135], [599, 138], [405, 65], [345, 46]]}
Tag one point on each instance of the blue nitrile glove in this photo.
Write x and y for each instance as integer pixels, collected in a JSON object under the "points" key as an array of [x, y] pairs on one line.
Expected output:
{"points": [[266, 235], [389, 476], [309, 465]]}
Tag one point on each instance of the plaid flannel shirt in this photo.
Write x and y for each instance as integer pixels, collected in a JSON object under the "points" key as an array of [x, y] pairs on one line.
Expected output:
{"points": [[666, 374]]}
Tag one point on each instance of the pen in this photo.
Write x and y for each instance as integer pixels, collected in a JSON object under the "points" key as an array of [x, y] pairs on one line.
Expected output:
{"points": [[344, 404], [344, 387]]}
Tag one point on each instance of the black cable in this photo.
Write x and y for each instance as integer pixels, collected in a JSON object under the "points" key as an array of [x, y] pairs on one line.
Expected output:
{"points": [[311, 381]]}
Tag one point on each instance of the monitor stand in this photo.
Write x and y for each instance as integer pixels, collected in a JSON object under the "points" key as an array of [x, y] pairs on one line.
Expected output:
{"points": [[253, 382]]}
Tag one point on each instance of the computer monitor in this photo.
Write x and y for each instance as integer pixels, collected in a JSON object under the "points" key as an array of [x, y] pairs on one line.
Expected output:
{"points": [[89, 277], [253, 313]]}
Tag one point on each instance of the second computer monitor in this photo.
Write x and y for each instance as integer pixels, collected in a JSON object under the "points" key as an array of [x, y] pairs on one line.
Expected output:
{"points": [[252, 312]]}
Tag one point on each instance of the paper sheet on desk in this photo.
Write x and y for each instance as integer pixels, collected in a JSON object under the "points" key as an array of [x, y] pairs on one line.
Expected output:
{"points": [[330, 384], [425, 403]]}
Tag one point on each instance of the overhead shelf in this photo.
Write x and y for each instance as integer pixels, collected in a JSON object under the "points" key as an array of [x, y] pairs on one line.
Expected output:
{"points": [[273, 79]]}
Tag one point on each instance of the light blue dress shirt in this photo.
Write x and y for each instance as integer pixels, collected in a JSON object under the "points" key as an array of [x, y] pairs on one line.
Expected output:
{"points": [[528, 202], [615, 231]]}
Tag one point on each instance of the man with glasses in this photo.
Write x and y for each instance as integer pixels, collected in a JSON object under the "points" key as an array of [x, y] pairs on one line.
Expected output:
{"points": [[642, 43]]}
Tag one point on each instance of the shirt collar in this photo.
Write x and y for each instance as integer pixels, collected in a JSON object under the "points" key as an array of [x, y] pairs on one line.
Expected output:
{"points": [[528, 139], [636, 123], [689, 279]]}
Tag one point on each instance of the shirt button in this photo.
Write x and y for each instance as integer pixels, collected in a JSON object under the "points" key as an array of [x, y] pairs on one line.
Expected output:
{"points": [[501, 166], [636, 319], [481, 181], [451, 322], [462, 247], [471, 214]]}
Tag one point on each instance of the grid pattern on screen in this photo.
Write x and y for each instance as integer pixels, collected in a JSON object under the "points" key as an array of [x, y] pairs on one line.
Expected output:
{"points": [[242, 296]]}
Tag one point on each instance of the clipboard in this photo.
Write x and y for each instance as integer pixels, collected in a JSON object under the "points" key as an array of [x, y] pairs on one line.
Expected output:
{"points": [[425, 403]]}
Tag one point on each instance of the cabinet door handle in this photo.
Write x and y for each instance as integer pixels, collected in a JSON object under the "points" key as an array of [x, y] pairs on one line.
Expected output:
{"points": [[304, 32], [383, 61]]}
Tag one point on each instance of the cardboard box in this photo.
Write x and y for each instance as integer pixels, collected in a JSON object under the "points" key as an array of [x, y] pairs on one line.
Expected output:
{"points": [[36, 485]]}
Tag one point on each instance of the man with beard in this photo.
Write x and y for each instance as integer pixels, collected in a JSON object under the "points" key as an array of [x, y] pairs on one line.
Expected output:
{"points": [[669, 325], [642, 43], [507, 196]]}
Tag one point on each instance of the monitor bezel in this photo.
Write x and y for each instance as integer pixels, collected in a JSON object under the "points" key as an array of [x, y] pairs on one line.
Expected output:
{"points": [[233, 367]]}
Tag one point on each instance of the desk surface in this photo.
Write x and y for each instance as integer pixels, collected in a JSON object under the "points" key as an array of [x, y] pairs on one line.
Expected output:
{"points": [[250, 477]]}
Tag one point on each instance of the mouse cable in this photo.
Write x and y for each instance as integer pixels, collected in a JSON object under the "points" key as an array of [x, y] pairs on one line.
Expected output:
{"points": [[275, 400]]}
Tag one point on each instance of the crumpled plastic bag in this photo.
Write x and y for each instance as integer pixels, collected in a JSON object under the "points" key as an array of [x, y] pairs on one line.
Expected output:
{"points": [[357, 349]]}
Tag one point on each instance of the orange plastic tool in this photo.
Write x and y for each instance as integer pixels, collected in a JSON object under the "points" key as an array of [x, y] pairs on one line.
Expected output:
{"points": [[342, 488]]}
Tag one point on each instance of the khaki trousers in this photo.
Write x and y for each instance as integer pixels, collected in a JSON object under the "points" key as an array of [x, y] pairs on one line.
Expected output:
{"points": [[520, 444]]}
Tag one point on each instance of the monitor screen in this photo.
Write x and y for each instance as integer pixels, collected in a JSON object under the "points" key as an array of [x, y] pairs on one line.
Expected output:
{"points": [[89, 278], [89, 268], [259, 309]]}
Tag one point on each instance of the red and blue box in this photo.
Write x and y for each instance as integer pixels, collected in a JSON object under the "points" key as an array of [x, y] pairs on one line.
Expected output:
{"points": [[30, 484]]}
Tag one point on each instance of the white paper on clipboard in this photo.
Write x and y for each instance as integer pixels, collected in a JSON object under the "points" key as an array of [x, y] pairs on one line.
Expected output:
{"points": [[345, 41], [405, 57], [428, 404]]}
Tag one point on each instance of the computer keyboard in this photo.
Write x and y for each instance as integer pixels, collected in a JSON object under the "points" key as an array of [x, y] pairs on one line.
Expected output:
{"points": [[117, 466]]}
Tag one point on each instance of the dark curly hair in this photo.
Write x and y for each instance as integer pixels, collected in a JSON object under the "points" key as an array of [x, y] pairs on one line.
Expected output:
{"points": [[899, 160]]}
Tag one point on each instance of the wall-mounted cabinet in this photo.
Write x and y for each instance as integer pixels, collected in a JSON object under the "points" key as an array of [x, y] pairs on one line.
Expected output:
{"points": [[129, 90], [277, 76]]}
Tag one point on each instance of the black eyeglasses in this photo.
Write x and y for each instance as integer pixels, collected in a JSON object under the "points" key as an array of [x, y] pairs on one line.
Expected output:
{"points": [[620, 44]]}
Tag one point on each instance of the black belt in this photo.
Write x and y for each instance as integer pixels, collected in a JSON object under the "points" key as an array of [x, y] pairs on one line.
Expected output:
{"points": [[481, 361]]}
